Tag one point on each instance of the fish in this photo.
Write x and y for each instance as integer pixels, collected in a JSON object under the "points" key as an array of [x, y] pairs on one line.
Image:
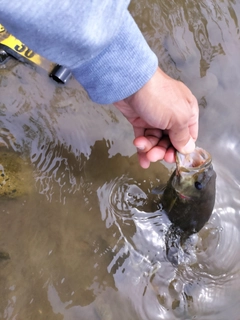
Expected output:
{"points": [[189, 196], [188, 200]]}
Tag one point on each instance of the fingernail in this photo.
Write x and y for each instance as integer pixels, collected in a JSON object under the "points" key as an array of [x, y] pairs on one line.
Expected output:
{"points": [[189, 147], [140, 148]]}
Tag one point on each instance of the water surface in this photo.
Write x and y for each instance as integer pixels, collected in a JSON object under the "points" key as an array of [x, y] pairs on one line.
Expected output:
{"points": [[86, 239]]}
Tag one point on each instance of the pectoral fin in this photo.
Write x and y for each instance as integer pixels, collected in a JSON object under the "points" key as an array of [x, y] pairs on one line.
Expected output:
{"points": [[159, 190], [172, 204]]}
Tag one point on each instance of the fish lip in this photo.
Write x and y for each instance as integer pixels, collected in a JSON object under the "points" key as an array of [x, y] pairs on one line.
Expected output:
{"points": [[196, 161]]}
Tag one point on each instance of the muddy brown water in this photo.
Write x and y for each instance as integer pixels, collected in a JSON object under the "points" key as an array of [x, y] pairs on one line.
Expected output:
{"points": [[84, 241]]}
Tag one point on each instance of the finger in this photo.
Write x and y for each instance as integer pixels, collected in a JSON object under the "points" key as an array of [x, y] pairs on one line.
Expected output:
{"points": [[144, 144], [158, 152], [193, 126], [153, 132], [193, 131], [183, 137], [194, 121], [148, 141], [183, 142], [143, 160], [170, 155], [138, 131]]}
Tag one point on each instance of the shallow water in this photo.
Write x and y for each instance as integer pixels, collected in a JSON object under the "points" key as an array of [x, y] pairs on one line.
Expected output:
{"points": [[86, 240]]}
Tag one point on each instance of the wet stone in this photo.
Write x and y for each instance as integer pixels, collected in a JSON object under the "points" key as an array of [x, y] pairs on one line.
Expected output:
{"points": [[4, 256], [14, 174]]}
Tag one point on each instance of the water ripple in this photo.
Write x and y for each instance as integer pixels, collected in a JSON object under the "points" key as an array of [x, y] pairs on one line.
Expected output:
{"points": [[207, 273]]}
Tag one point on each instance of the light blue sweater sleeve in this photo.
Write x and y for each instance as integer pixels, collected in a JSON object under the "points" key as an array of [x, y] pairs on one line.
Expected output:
{"points": [[98, 40]]}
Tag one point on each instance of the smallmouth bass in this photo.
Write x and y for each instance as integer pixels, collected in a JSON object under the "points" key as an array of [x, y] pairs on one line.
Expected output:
{"points": [[189, 196]]}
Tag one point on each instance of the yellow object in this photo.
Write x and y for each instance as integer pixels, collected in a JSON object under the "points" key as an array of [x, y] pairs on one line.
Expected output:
{"points": [[16, 48]]}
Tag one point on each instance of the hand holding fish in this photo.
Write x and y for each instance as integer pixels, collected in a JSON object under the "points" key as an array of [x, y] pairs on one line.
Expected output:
{"points": [[164, 116]]}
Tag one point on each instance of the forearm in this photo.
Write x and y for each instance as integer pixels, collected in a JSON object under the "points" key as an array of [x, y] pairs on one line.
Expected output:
{"points": [[99, 42]]}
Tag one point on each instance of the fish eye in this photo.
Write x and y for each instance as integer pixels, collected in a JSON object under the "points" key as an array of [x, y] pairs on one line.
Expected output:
{"points": [[198, 185]]}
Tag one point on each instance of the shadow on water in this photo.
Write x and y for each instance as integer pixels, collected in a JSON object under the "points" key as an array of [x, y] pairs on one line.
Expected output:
{"points": [[63, 252], [85, 238]]}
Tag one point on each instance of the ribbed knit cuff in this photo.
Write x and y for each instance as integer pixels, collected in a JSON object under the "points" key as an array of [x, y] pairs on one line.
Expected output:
{"points": [[121, 69]]}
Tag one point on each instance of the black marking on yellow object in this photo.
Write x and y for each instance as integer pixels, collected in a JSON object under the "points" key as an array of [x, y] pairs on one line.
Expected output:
{"points": [[14, 47], [20, 51]]}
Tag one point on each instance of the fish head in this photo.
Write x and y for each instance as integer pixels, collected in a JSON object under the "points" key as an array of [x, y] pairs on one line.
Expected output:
{"points": [[193, 175]]}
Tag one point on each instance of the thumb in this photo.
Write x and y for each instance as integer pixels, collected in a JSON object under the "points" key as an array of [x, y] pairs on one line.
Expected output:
{"points": [[183, 137], [180, 144]]}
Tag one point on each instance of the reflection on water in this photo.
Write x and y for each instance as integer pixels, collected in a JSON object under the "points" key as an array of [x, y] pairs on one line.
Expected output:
{"points": [[87, 239]]}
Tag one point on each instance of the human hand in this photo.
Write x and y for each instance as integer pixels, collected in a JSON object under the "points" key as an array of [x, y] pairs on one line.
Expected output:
{"points": [[164, 115]]}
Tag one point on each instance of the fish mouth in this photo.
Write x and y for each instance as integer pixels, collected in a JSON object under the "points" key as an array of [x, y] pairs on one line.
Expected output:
{"points": [[198, 160], [183, 196]]}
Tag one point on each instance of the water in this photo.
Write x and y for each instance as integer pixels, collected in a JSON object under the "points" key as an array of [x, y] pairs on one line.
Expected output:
{"points": [[86, 238]]}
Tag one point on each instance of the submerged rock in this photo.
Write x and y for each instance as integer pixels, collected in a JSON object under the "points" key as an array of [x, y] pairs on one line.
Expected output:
{"points": [[15, 174]]}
